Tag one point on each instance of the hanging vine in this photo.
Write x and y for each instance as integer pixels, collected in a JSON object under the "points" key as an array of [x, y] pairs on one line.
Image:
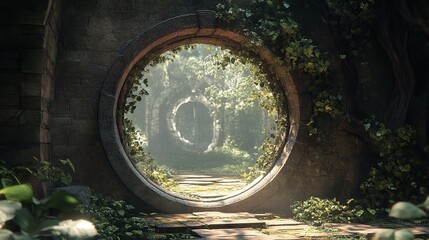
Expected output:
{"points": [[270, 23]]}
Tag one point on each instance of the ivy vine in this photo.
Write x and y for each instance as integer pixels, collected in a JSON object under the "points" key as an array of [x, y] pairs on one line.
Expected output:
{"points": [[399, 172]]}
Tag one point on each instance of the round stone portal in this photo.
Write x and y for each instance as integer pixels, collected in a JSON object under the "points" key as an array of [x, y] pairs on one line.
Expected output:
{"points": [[200, 109], [136, 123]]}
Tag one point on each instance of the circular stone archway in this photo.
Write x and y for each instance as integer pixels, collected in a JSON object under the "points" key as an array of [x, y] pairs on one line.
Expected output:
{"points": [[194, 145], [201, 27]]}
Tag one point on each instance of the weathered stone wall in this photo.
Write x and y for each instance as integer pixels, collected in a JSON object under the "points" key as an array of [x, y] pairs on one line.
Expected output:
{"points": [[94, 33], [36, 122], [28, 47]]}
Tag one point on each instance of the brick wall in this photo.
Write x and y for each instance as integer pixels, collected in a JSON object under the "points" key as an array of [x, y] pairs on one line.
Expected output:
{"points": [[28, 48]]}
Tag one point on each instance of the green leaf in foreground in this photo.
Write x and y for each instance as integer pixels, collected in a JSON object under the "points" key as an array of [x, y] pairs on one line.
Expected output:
{"points": [[62, 201], [388, 234], [7, 210], [403, 234], [406, 210], [22, 192]]}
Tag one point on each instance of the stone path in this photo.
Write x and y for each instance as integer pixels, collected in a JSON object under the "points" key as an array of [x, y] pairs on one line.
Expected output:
{"points": [[207, 186], [247, 226]]}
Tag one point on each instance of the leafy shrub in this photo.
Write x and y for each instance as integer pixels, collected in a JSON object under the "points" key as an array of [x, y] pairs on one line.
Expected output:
{"points": [[316, 211], [116, 220], [30, 216], [40, 169], [400, 173]]}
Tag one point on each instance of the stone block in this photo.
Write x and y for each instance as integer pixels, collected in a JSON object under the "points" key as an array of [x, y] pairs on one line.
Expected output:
{"points": [[49, 66], [16, 153], [103, 42], [63, 151], [59, 135], [30, 89], [47, 90], [9, 60], [10, 118], [61, 121], [33, 103], [51, 44], [94, 74], [20, 134], [10, 37], [81, 133], [103, 58], [86, 126], [83, 91], [78, 56], [45, 136], [10, 88], [32, 60], [33, 40], [207, 22], [33, 29], [31, 118], [79, 106], [61, 107], [9, 102], [75, 139], [76, 38], [71, 72], [45, 151]]}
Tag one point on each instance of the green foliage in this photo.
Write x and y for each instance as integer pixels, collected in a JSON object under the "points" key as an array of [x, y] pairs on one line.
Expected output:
{"points": [[326, 104], [45, 172], [116, 220], [10, 175], [143, 161], [263, 163], [407, 211], [234, 84], [355, 18], [31, 216], [316, 211], [270, 24], [41, 170], [390, 234], [399, 173], [22, 192]]}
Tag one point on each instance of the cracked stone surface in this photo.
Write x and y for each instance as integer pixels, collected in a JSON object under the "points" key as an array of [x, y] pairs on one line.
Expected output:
{"points": [[247, 226]]}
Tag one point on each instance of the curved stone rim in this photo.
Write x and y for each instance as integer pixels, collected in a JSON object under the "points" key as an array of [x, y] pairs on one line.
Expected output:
{"points": [[176, 133], [201, 27]]}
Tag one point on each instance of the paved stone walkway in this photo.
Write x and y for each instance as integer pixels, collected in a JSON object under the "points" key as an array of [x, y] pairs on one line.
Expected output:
{"points": [[247, 226], [207, 186]]}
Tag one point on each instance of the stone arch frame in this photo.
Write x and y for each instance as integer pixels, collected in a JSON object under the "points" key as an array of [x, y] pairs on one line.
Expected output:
{"points": [[176, 134], [201, 27]]}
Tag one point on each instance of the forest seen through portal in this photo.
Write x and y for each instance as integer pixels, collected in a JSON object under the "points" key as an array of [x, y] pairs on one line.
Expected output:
{"points": [[202, 122]]}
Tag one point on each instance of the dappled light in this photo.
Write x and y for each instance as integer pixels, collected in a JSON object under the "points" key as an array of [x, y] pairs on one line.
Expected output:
{"points": [[201, 121]]}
